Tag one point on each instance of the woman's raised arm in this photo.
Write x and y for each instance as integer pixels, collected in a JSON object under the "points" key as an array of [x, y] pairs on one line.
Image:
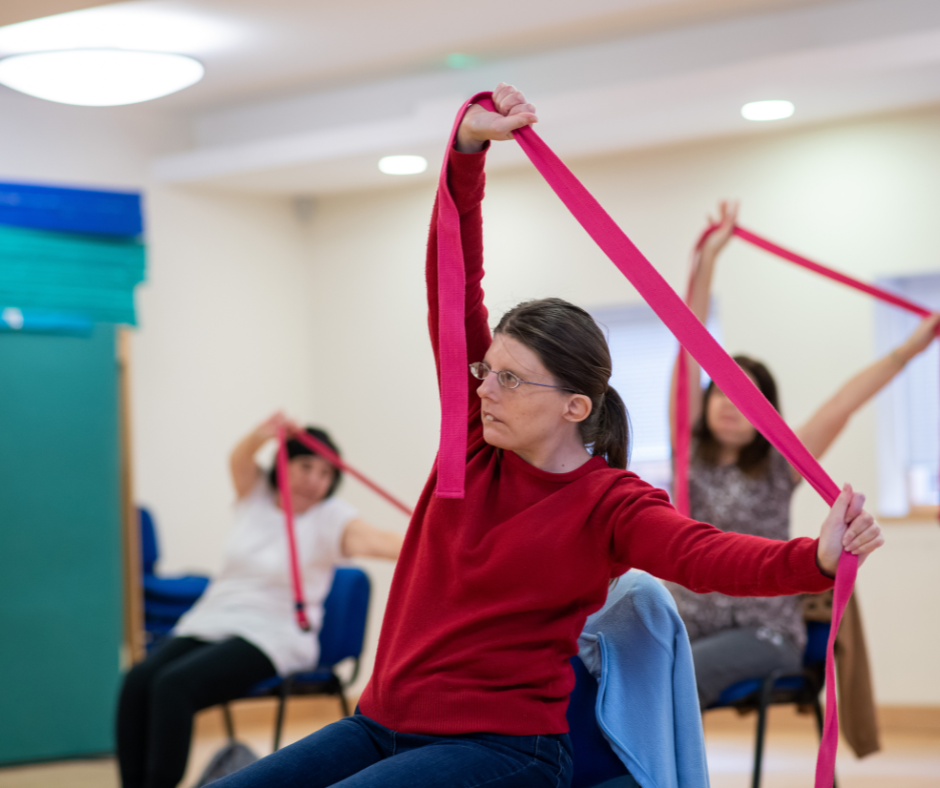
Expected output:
{"points": [[242, 465], [465, 183], [825, 424], [700, 300]]}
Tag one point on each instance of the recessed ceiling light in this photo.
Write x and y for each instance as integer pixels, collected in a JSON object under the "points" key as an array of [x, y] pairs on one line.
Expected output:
{"points": [[99, 77], [403, 165], [767, 110]]}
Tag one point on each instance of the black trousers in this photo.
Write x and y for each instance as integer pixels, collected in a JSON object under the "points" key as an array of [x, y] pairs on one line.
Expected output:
{"points": [[161, 694]]}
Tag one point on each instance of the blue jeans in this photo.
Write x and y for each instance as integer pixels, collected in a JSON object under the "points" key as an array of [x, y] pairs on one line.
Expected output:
{"points": [[357, 752]]}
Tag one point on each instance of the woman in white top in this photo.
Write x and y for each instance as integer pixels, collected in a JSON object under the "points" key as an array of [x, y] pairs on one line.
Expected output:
{"points": [[243, 630]]}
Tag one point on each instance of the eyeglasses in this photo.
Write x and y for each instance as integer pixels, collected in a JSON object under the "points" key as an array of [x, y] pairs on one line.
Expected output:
{"points": [[508, 380]]}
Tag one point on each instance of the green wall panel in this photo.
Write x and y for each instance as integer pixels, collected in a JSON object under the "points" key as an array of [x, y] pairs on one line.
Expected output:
{"points": [[60, 559]]}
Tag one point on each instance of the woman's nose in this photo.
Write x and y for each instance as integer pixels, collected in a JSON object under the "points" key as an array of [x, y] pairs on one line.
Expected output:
{"points": [[488, 386]]}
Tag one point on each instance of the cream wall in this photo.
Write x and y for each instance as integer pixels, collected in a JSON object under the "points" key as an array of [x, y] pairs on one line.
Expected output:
{"points": [[861, 196], [225, 333]]}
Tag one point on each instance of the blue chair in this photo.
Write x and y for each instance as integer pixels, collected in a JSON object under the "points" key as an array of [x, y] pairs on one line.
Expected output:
{"points": [[165, 598], [345, 611], [781, 687], [595, 763]]}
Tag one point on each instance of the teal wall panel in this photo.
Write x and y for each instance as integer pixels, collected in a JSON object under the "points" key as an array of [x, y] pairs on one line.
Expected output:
{"points": [[60, 556]]}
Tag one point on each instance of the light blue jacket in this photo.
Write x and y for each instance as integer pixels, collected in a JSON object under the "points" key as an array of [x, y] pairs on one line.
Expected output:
{"points": [[637, 648]]}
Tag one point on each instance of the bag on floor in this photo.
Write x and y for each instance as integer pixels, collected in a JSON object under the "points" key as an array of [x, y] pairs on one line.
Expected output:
{"points": [[232, 757]]}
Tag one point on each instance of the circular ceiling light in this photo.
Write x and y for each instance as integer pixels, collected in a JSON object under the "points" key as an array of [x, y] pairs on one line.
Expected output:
{"points": [[99, 77], [767, 110], [403, 165]]}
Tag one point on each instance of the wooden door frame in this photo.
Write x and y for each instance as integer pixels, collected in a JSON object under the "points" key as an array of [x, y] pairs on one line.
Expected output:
{"points": [[134, 634]]}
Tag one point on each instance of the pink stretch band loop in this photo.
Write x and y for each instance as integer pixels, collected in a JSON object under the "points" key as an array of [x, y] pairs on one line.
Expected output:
{"points": [[679, 319], [287, 505], [683, 425], [334, 459]]}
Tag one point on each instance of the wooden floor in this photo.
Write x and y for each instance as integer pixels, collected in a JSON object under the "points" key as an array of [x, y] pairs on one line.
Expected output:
{"points": [[911, 757]]}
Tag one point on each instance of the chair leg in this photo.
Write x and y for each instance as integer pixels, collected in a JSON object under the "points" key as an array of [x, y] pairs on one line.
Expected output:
{"points": [[817, 709], [285, 689], [763, 703], [229, 723], [344, 704]]}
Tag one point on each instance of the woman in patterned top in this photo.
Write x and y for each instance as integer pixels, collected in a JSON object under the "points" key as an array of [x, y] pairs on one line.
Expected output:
{"points": [[740, 483]]}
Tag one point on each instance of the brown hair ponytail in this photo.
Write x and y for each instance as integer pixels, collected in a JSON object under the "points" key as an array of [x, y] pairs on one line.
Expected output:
{"points": [[573, 349]]}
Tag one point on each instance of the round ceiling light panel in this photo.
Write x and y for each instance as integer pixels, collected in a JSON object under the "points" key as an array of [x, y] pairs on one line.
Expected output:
{"points": [[99, 77]]}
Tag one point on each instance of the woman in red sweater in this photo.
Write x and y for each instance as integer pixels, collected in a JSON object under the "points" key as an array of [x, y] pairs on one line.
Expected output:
{"points": [[491, 591]]}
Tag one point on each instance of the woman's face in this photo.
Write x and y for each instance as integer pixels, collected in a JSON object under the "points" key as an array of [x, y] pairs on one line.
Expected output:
{"points": [[726, 422], [523, 418], [310, 478]]}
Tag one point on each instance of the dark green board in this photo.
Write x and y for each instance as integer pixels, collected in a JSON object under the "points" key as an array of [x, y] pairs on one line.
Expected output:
{"points": [[60, 555]]}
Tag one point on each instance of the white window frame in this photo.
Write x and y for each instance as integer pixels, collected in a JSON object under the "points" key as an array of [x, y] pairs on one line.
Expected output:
{"points": [[898, 495], [651, 460]]}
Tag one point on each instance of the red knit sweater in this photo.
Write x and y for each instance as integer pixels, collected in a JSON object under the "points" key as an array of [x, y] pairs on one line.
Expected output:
{"points": [[491, 592]]}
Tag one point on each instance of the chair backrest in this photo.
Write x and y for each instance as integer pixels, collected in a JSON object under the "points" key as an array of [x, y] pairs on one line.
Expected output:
{"points": [[344, 616], [817, 635], [149, 549]]}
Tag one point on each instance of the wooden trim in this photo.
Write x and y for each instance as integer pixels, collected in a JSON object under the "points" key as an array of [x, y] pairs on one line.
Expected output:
{"points": [[134, 636], [918, 515], [311, 711], [920, 719], [318, 710], [891, 719]]}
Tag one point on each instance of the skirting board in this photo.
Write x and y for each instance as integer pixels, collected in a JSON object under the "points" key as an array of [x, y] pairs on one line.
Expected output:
{"points": [[909, 719], [318, 711]]}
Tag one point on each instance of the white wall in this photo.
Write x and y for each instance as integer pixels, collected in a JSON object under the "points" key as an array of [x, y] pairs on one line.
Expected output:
{"points": [[226, 337], [861, 196], [225, 333]]}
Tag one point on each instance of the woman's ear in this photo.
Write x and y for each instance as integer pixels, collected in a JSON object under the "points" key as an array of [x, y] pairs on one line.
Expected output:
{"points": [[578, 408]]}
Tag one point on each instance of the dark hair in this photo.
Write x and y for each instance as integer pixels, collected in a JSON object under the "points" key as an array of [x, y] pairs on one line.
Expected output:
{"points": [[753, 459], [573, 349], [296, 449]]}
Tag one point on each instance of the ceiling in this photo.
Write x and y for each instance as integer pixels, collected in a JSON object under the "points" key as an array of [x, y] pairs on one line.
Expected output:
{"points": [[303, 97], [13, 11]]}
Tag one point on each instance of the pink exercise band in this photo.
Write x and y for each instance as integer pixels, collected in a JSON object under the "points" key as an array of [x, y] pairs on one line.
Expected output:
{"points": [[683, 424], [671, 310], [283, 485], [287, 504]]}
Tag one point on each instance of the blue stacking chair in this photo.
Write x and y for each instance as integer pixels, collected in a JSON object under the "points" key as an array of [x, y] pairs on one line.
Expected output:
{"points": [[781, 687], [165, 598], [595, 762], [345, 611]]}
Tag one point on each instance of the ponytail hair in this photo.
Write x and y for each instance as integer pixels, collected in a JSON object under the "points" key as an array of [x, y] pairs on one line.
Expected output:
{"points": [[573, 349], [610, 435]]}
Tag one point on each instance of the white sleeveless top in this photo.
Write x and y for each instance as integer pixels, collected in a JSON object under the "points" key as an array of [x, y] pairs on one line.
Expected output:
{"points": [[252, 597]]}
